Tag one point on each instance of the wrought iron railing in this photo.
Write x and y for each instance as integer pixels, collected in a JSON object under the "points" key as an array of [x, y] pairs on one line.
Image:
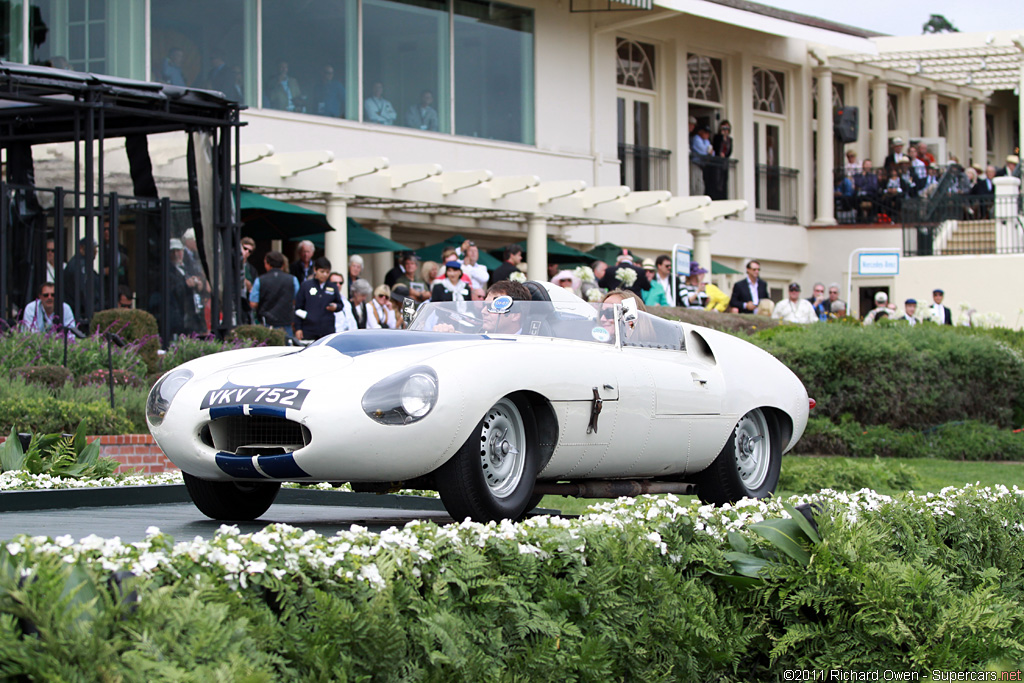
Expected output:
{"points": [[775, 194], [962, 224], [715, 177], [644, 168]]}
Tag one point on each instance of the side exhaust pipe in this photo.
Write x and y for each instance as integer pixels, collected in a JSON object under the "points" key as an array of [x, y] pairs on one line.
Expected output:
{"points": [[613, 488]]}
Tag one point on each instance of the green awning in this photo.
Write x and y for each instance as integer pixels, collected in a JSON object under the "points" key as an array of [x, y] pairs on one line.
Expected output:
{"points": [[264, 218], [432, 252], [718, 269], [557, 252]]}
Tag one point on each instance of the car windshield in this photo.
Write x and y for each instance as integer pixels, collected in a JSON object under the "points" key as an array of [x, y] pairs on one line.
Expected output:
{"points": [[581, 321]]}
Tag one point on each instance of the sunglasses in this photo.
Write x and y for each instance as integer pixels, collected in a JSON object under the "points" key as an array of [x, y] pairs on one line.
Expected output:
{"points": [[607, 315], [49, 251], [382, 296], [48, 295]]}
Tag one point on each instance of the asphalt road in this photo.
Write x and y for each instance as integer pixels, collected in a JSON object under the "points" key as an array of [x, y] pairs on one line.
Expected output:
{"points": [[324, 512]]}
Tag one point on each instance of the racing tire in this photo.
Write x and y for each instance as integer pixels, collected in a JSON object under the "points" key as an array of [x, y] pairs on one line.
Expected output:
{"points": [[747, 467], [492, 476], [233, 501]]}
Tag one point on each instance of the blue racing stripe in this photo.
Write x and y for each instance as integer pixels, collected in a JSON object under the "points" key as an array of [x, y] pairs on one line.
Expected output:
{"points": [[238, 466], [225, 411], [281, 466], [268, 411]]}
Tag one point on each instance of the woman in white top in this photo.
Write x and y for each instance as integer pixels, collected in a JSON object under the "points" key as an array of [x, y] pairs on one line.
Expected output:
{"points": [[381, 313]]}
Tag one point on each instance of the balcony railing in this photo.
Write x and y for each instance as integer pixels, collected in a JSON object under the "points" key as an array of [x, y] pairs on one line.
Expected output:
{"points": [[714, 177], [775, 194], [644, 168], [962, 224]]}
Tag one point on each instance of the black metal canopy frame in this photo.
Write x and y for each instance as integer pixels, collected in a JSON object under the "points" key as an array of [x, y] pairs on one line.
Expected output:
{"points": [[44, 105]]}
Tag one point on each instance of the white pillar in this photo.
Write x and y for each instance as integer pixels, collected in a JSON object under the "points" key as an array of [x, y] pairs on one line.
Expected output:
{"points": [[931, 114], [880, 114], [383, 261], [702, 249], [537, 248], [1008, 237], [336, 241], [825, 150], [979, 150]]}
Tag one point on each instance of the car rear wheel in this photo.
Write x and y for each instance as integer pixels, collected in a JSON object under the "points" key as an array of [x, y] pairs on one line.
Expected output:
{"points": [[231, 500], [492, 475], [747, 467]]}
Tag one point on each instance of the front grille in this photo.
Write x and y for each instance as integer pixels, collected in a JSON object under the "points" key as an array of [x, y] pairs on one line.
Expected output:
{"points": [[255, 434]]}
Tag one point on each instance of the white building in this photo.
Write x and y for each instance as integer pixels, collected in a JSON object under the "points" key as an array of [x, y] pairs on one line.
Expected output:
{"points": [[542, 88]]}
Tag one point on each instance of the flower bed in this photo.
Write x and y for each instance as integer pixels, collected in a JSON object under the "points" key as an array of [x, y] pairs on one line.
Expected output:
{"points": [[638, 589]]}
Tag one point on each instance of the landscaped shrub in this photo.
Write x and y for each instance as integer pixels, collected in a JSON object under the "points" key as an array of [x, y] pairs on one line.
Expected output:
{"points": [[133, 325], [186, 348], [56, 455], [260, 334], [21, 348], [961, 440], [903, 376], [811, 476], [51, 416], [51, 376], [122, 378], [639, 590]]}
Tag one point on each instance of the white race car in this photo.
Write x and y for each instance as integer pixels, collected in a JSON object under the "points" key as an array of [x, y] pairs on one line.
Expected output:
{"points": [[493, 404]]}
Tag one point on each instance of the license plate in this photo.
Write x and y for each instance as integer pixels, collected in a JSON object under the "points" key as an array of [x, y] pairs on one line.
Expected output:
{"points": [[256, 396]]}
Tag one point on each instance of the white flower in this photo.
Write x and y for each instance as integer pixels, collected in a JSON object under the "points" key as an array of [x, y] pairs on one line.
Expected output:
{"points": [[595, 294], [585, 274], [517, 276], [15, 548], [627, 276]]}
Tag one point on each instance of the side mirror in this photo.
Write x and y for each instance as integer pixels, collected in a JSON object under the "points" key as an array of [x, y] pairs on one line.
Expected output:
{"points": [[630, 314], [408, 310]]}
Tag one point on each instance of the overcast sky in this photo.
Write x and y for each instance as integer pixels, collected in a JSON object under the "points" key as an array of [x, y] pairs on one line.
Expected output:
{"points": [[907, 18]]}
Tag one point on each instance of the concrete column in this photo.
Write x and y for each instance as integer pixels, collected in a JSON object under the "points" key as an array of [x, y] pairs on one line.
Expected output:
{"points": [[382, 261], [702, 249], [880, 114], [537, 248], [863, 144], [336, 241], [825, 150], [931, 114], [979, 150]]}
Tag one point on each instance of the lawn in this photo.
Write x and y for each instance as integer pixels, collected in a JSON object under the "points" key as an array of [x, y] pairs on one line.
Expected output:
{"points": [[933, 475]]}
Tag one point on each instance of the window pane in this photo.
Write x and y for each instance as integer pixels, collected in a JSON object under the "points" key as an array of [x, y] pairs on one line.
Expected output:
{"points": [[309, 58], [405, 64], [704, 78], [202, 43], [635, 64], [493, 71], [769, 91]]}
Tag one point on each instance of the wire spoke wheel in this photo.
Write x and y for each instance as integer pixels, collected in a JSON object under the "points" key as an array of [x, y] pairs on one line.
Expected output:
{"points": [[753, 449], [503, 448]]}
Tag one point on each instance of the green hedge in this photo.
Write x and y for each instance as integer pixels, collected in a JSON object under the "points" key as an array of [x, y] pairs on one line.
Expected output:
{"points": [[133, 325], [259, 334], [962, 440], [645, 590], [19, 349], [810, 476], [50, 416], [901, 376]]}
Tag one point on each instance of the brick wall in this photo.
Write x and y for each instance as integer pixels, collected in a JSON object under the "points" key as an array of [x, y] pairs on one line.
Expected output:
{"points": [[135, 452]]}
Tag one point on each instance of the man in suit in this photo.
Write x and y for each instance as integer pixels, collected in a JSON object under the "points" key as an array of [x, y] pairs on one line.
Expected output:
{"points": [[893, 160], [513, 256], [748, 292], [1012, 167], [611, 279], [939, 313], [985, 191], [302, 266]]}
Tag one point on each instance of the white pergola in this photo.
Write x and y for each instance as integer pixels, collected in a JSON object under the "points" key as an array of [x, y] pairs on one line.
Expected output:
{"points": [[428, 194]]}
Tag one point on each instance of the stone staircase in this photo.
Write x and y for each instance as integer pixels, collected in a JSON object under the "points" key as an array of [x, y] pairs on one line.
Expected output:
{"points": [[971, 237]]}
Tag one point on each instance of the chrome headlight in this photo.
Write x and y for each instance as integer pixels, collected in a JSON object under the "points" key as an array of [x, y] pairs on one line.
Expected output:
{"points": [[163, 392], [402, 398]]}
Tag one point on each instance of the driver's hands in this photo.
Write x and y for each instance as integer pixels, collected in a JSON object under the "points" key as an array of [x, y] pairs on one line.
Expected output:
{"points": [[444, 327]]}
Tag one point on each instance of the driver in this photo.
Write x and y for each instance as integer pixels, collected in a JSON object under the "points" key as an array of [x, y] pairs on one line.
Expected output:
{"points": [[507, 322]]}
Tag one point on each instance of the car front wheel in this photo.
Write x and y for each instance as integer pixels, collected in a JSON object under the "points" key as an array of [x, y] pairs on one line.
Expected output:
{"points": [[747, 467], [230, 500], [492, 475]]}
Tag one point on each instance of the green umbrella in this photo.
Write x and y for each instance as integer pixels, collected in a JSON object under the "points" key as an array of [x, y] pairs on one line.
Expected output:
{"points": [[360, 240], [557, 252], [432, 252], [264, 218], [719, 269], [606, 252]]}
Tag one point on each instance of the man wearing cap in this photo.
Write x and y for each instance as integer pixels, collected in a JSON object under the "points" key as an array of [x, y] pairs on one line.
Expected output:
{"points": [[939, 313], [893, 160], [692, 292], [316, 303], [655, 296], [909, 309], [1012, 167], [748, 292], [795, 309], [452, 287], [881, 311]]}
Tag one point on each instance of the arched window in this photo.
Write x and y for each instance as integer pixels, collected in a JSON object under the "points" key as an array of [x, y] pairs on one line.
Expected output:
{"points": [[635, 64], [704, 80], [769, 91]]}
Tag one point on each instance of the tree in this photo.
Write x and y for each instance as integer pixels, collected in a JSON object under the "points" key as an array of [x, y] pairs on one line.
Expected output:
{"points": [[938, 24]]}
